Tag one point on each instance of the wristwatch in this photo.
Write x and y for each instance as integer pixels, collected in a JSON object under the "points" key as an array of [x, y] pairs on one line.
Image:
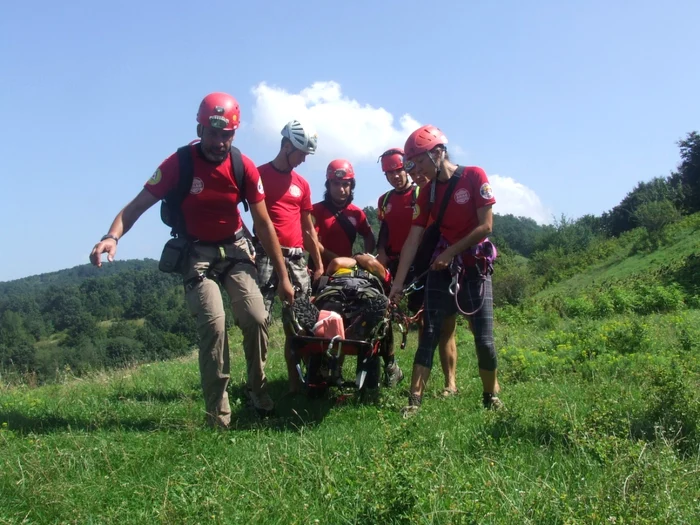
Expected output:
{"points": [[110, 236]]}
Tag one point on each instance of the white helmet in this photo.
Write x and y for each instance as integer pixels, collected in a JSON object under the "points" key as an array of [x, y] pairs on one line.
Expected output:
{"points": [[299, 138]]}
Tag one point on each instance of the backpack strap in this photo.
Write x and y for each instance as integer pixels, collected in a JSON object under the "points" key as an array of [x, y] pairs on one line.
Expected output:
{"points": [[239, 175], [383, 228], [387, 196], [171, 209], [448, 193], [343, 221]]}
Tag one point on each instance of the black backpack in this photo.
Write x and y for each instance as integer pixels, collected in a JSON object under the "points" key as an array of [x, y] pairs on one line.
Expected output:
{"points": [[170, 206]]}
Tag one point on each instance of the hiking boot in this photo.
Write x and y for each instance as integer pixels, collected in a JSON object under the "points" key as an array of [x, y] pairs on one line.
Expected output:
{"points": [[414, 403], [261, 402], [492, 402], [392, 375]]}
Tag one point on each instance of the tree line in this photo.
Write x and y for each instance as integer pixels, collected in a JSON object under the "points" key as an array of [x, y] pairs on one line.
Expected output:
{"points": [[128, 311]]}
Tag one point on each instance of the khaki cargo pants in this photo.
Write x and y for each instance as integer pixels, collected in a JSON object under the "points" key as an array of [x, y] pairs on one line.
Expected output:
{"points": [[233, 265]]}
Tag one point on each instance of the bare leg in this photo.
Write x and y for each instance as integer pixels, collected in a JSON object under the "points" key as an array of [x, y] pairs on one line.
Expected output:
{"points": [[448, 352], [419, 378], [489, 381]]}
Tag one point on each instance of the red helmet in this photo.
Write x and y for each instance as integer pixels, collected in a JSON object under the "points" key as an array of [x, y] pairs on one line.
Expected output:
{"points": [[424, 139], [392, 159], [219, 110], [340, 169]]}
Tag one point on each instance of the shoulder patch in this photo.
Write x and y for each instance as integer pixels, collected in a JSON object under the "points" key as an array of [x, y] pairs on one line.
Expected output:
{"points": [[416, 211], [485, 191], [261, 190], [155, 178]]}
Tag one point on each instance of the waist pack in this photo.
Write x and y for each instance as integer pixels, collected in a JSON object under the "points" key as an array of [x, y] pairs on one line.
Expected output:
{"points": [[175, 252], [485, 254], [480, 257], [426, 249]]}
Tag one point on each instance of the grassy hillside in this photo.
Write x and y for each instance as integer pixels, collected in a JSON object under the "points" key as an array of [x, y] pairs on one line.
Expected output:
{"points": [[678, 242], [604, 434], [600, 375]]}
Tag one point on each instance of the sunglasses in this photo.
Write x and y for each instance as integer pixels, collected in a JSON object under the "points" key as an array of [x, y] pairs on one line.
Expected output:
{"points": [[408, 165]]}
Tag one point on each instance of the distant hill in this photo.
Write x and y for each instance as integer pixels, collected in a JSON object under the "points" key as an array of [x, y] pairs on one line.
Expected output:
{"points": [[75, 275]]}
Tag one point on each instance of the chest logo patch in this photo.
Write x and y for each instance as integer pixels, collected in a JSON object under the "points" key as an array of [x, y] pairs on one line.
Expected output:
{"points": [[462, 196], [295, 191], [197, 186]]}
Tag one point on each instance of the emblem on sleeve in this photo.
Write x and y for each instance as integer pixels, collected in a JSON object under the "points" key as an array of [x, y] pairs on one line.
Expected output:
{"points": [[155, 178], [486, 191], [416, 212], [261, 190]]}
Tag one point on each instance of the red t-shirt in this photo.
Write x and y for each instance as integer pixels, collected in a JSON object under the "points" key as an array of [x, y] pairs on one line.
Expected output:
{"points": [[211, 208], [286, 196], [397, 215], [332, 235], [472, 192]]}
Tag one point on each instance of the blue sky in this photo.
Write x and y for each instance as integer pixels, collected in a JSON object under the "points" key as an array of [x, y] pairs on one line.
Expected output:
{"points": [[566, 105]]}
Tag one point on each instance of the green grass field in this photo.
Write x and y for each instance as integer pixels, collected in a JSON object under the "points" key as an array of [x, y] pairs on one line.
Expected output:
{"points": [[601, 426]]}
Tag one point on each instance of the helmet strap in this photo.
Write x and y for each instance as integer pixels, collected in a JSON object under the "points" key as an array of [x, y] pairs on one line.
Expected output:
{"points": [[438, 164], [288, 168]]}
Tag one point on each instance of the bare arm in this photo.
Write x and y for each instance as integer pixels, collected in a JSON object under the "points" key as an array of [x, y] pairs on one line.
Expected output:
{"points": [[326, 254], [268, 238], [370, 243], [340, 262], [372, 265], [381, 244], [408, 253], [485, 216], [122, 223], [311, 243]]}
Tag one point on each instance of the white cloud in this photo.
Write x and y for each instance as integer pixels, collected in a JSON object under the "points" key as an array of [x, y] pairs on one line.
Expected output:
{"points": [[360, 132], [517, 199], [346, 128]]}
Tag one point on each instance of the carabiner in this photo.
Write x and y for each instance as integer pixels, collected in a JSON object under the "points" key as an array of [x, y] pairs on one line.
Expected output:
{"points": [[330, 346], [454, 285]]}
